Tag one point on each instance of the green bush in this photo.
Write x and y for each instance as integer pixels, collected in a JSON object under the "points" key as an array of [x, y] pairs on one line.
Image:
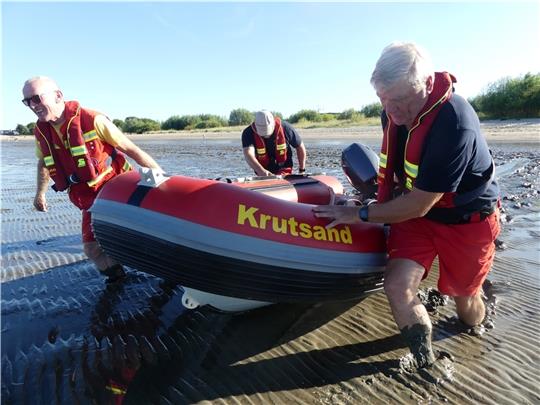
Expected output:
{"points": [[351, 114], [372, 110], [179, 123], [240, 116], [140, 125], [327, 117], [119, 123], [305, 115], [23, 129], [175, 122], [186, 122], [211, 122], [510, 98]]}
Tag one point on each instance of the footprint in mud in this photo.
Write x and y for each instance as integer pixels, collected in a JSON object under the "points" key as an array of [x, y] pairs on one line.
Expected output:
{"points": [[441, 371], [500, 245], [454, 325], [49, 240], [489, 291], [432, 298]]}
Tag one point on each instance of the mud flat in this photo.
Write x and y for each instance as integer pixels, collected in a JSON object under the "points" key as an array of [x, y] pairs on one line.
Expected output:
{"points": [[507, 131], [66, 336]]}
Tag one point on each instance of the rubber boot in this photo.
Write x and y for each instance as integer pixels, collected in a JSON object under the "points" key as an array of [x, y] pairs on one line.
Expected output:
{"points": [[113, 273], [418, 338]]}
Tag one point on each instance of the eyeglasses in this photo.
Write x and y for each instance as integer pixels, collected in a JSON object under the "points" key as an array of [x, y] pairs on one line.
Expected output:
{"points": [[36, 99]]}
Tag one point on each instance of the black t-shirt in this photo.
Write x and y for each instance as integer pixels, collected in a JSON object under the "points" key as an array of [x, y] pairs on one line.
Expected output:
{"points": [[455, 158], [291, 137]]}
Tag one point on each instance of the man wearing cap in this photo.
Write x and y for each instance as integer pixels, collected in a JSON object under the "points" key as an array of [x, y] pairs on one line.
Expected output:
{"points": [[80, 150], [267, 144]]}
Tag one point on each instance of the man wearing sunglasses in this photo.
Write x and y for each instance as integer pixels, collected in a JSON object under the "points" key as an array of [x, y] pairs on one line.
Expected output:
{"points": [[80, 150]]}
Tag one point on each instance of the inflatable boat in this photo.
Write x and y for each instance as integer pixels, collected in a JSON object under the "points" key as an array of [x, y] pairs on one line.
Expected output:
{"points": [[238, 243]]}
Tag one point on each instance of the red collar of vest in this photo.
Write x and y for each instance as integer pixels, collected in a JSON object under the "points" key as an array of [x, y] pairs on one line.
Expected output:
{"points": [[72, 110], [442, 91]]}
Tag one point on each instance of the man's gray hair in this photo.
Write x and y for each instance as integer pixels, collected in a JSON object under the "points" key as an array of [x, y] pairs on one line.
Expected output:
{"points": [[402, 62], [50, 82]]}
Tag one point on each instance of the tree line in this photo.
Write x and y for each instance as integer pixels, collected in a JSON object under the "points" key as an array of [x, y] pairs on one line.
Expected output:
{"points": [[510, 97], [517, 97], [239, 116]]}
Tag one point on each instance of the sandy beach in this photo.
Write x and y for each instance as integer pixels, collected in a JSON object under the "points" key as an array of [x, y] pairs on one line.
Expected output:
{"points": [[66, 335]]}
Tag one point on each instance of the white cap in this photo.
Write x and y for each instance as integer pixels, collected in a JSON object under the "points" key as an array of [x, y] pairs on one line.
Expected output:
{"points": [[264, 123]]}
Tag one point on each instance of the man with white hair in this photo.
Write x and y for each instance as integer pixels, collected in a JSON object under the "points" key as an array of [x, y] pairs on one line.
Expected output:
{"points": [[445, 201], [267, 145], [80, 150]]}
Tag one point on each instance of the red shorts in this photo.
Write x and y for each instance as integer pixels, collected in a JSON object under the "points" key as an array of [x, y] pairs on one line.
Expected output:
{"points": [[87, 233], [465, 251]]}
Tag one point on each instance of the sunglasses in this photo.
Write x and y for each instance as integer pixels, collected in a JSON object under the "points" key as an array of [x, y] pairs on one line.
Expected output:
{"points": [[36, 99]]}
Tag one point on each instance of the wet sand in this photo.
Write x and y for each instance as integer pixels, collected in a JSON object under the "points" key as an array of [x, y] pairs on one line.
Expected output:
{"points": [[66, 335], [506, 131]]}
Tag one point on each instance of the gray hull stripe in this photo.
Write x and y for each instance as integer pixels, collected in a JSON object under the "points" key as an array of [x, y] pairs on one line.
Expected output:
{"points": [[233, 245]]}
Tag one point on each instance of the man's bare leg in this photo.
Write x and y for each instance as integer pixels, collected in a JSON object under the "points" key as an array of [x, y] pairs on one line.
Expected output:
{"points": [[471, 310], [105, 264], [402, 279]]}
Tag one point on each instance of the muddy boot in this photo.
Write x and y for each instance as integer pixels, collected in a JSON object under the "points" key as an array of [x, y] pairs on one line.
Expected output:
{"points": [[113, 273], [440, 371], [418, 338]]}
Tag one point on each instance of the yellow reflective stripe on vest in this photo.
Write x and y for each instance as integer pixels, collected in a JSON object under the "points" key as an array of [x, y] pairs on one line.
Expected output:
{"points": [[90, 135], [411, 169], [92, 183], [116, 390], [408, 183], [281, 146], [48, 160], [126, 166], [78, 150], [382, 160], [261, 151]]}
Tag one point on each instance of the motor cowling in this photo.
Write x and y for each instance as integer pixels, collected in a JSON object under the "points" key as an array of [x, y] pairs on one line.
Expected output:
{"points": [[360, 165]]}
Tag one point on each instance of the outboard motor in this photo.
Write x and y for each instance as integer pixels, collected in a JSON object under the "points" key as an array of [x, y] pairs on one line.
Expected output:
{"points": [[360, 165]]}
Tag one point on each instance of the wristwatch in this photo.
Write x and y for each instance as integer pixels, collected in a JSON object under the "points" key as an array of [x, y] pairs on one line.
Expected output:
{"points": [[364, 213], [301, 170]]}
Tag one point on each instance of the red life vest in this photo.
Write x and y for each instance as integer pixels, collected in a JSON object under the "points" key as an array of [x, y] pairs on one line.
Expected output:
{"points": [[442, 92], [81, 162], [281, 148]]}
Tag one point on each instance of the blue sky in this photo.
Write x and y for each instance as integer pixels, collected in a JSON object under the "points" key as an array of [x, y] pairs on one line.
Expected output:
{"points": [[161, 59]]}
